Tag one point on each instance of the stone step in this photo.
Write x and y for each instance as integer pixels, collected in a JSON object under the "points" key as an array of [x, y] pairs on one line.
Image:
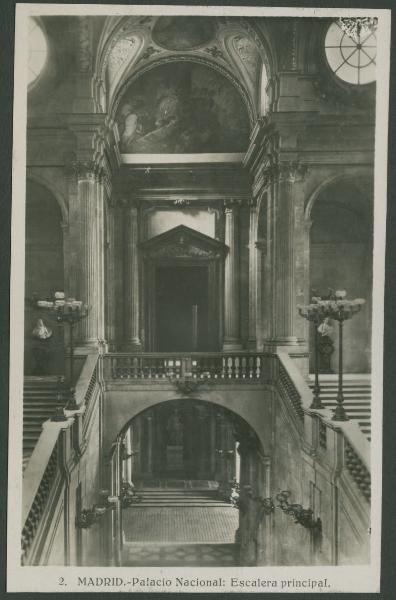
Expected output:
{"points": [[179, 555], [357, 399]]}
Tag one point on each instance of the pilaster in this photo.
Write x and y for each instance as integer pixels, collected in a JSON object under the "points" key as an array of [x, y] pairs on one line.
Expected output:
{"points": [[253, 275], [231, 278], [132, 296]]}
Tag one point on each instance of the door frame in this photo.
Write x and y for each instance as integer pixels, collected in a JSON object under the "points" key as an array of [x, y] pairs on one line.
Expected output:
{"points": [[182, 246]]}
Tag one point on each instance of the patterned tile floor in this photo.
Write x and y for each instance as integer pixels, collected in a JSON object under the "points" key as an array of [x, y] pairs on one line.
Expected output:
{"points": [[177, 555], [180, 524]]}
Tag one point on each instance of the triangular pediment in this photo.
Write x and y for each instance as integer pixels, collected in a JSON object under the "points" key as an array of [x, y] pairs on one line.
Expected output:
{"points": [[183, 242]]}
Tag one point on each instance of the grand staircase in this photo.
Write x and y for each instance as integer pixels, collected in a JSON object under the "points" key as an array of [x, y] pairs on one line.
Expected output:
{"points": [[40, 401], [180, 526], [357, 397]]}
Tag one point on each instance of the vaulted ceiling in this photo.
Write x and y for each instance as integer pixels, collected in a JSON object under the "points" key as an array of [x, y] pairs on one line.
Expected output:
{"points": [[134, 44]]}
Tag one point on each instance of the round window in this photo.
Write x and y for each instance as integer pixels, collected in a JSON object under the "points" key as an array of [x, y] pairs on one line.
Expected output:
{"points": [[351, 50], [37, 51]]}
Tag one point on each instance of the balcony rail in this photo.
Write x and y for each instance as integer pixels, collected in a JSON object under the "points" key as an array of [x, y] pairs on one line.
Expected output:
{"points": [[209, 365]]}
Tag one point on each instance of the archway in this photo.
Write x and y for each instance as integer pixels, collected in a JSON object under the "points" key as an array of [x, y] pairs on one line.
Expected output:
{"points": [[341, 258], [191, 464]]}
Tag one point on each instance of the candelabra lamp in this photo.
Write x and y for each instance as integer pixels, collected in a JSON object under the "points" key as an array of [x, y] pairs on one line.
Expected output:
{"points": [[336, 308], [67, 312]]}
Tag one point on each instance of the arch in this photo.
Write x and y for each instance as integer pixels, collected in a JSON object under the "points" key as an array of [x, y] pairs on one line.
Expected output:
{"points": [[333, 179], [192, 59], [119, 410], [198, 400], [40, 179], [340, 257]]}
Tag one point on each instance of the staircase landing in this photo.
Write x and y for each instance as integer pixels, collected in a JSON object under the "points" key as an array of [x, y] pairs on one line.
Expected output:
{"points": [[180, 527]]}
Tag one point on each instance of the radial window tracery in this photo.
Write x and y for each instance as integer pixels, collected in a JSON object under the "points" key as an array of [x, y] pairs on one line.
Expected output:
{"points": [[351, 54], [38, 51]]}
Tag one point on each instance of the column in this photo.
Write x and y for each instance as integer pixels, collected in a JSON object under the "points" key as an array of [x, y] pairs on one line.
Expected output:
{"points": [[128, 451], [265, 533], [231, 279], [87, 195], [132, 279], [261, 303], [253, 275], [287, 257], [203, 443], [103, 188], [149, 441]]}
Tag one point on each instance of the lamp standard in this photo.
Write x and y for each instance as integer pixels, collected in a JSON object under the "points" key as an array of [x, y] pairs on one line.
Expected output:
{"points": [[67, 312], [313, 316], [337, 308]]}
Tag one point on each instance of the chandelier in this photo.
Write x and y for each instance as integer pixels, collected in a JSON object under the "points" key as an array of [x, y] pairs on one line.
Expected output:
{"points": [[356, 27]]}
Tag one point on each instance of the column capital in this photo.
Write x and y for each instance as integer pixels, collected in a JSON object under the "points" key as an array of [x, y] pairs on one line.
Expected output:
{"points": [[291, 171], [83, 170], [232, 204]]}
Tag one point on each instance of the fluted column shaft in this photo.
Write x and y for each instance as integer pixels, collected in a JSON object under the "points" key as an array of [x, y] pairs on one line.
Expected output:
{"points": [[287, 257], [253, 276], [132, 316], [128, 461], [231, 280], [89, 259]]}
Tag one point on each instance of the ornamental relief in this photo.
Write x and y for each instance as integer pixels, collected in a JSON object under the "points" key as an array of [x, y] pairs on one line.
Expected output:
{"points": [[180, 250]]}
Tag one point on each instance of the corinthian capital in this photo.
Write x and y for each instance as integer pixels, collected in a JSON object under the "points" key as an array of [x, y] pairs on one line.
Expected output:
{"points": [[84, 170], [291, 171]]}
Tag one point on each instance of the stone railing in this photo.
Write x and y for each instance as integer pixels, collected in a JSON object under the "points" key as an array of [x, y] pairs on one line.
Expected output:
{"points": [[357, 470], [61, 443], [41, 497], [221, 366], [291, 385], [319, 425]]}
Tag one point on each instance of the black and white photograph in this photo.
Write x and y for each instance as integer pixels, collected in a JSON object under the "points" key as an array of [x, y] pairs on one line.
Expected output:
{"points": [[197, 279]]}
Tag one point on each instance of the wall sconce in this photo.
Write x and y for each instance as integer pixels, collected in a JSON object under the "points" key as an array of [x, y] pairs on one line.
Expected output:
{"points": [[265, 505], [225, 453], [302, 516], [89, 516]]}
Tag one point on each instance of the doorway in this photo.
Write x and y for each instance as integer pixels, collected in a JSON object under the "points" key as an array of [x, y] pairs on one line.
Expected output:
{"points": [[182, 308]]}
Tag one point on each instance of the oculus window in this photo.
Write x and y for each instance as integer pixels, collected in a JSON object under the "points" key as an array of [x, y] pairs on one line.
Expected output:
{"points": [[351, 50], [38, 51]]}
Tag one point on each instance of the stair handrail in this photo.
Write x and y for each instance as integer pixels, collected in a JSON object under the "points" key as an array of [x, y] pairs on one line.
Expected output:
{"points": [[350, 429], [36, 470], [38, 462], [83, 385]]}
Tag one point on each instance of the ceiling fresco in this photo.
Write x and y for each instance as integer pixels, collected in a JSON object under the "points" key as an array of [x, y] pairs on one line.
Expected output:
{"points": [[183, 33], [182, 107]]}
